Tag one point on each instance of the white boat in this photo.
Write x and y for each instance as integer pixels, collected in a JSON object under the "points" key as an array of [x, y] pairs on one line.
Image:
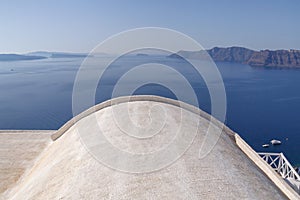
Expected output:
{"points": [[275, 142], [265, 145]]}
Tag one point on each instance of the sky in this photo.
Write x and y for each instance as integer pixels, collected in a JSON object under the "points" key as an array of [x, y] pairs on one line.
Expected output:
{"points": [[78, 26]]}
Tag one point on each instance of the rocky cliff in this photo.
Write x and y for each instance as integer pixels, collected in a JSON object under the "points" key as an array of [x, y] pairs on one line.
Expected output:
{"points": [[232, 54], [279, 58], [263, 58]]}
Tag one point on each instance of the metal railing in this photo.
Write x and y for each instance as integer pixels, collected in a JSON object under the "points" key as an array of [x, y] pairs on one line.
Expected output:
{"points": [[283, 167]]}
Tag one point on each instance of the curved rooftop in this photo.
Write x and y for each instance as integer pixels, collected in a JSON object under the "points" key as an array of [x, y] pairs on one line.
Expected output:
{"points": [[66, 169]]}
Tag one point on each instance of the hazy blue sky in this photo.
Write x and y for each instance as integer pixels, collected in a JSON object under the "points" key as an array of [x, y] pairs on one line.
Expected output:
{"points": [[78, 26]]}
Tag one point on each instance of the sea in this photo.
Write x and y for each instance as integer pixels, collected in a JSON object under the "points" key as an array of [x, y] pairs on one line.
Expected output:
{"points": [[262, 103]]}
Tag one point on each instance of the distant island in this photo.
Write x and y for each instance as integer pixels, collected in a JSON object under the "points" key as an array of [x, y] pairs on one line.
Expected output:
{"points": [[58, 54], [142, 54], [263, 58], [16, 57], [68, 55], [40, 55]]}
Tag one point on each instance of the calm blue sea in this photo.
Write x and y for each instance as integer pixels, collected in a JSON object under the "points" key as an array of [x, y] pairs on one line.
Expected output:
{"points": [[262, 104]]}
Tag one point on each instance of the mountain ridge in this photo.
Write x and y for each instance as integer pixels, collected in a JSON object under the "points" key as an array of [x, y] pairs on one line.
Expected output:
{"points": [[19, 57], [38, 55], [263, 58]]}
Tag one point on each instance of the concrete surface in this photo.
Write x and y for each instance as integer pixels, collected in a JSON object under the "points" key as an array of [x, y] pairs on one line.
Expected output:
{"points": [[18, 152], [66, 170]]}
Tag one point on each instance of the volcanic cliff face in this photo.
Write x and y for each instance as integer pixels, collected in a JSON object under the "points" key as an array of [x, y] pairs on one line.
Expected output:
{"points": [[279, 58], [263, 58], [232, 54]]}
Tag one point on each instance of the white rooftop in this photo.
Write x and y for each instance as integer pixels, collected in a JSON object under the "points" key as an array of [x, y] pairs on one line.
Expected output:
{"points": [[32, 166]]}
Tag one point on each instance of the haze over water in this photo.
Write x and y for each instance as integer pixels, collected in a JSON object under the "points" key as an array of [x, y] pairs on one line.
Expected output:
{"points": [[262, 104]]}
